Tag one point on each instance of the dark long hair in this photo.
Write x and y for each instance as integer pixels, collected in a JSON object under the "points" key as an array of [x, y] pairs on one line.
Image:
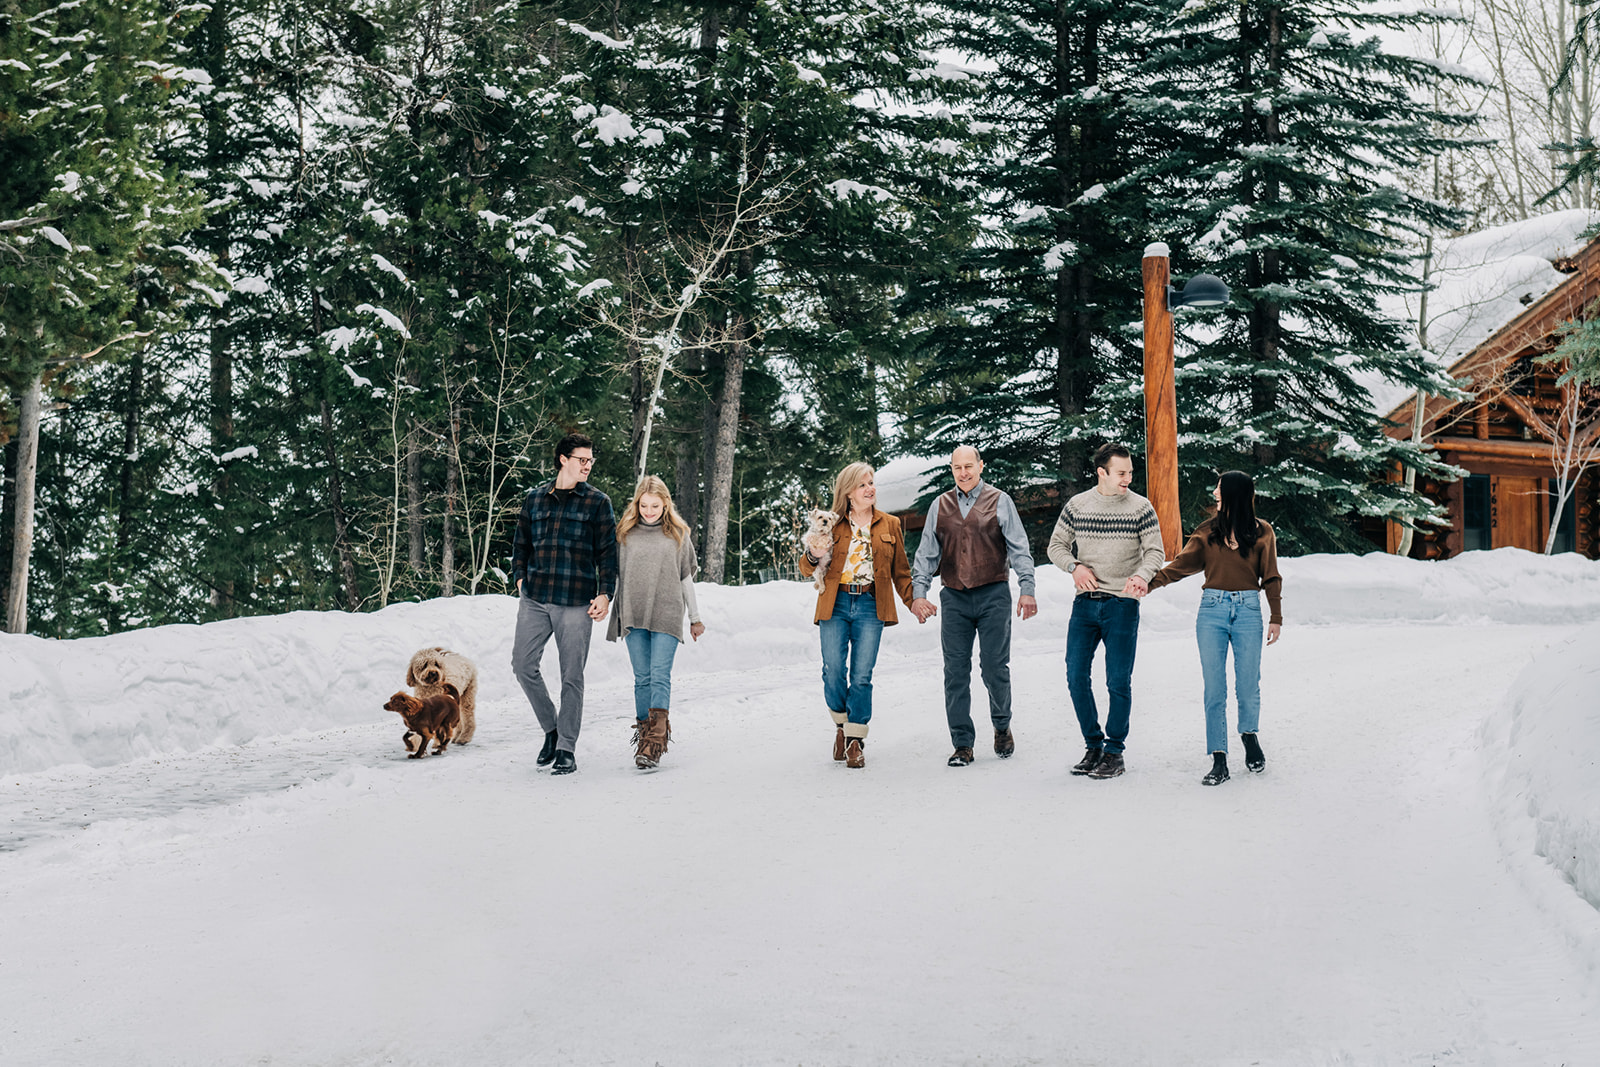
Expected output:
{"points": [[1236, 512]]}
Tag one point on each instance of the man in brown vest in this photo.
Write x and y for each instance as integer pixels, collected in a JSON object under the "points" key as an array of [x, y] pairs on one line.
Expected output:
{"points": [[972, 536]]}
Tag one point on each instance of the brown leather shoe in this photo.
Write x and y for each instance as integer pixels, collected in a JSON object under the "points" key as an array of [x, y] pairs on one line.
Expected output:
{"points": [[1110, 766], [853, 754], [838, 745], [1004, 743], [959, 758], [1086, 764]]}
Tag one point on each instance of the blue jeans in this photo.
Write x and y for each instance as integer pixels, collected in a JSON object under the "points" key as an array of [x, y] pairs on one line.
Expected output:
{"points": [[651, 653], [1114, 620], [1230, 617], [851, 634]]}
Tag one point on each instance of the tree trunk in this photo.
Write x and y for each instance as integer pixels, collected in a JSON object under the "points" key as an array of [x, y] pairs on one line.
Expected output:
{"points": [[222, 577], [8, 509], [130, 456], [417, 554], [341, 524], [720, 482], [452, 480], [22, 528]]}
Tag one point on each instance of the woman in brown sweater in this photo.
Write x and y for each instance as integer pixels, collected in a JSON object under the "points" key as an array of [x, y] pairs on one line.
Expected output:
{"points": [[1239, 554], [864, 568]]}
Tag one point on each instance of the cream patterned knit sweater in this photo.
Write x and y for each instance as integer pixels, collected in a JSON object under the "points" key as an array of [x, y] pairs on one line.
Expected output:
{"points": [[1117, 537]]}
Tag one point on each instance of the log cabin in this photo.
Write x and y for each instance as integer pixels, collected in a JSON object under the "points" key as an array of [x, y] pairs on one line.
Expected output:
{"points": [[1508, 434]]}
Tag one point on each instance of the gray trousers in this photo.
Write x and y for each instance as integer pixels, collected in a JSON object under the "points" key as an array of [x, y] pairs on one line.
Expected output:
{"points": [[984, 613], [571, 627]]}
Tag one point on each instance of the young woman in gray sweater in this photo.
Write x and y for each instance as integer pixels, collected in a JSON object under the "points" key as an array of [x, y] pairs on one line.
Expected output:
{"points": [[655, 588]]}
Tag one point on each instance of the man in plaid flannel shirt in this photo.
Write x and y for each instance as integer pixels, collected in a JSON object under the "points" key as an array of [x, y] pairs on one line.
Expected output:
{"points": [[564, 561]]}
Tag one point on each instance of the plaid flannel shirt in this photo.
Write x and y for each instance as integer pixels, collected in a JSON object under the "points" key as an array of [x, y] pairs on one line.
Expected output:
{"points": [[565, 552]]}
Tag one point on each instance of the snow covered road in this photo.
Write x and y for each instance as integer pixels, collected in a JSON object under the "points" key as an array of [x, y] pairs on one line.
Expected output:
{"points": [[316, 899]]}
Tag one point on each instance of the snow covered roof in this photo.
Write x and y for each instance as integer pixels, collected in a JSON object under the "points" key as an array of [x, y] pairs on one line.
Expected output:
{"points": [[901, 481], [1532, 319], [1485, 280]]}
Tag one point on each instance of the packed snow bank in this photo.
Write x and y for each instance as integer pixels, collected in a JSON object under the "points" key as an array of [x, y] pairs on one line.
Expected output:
{"points": [[1543, 749], [101, 701]]}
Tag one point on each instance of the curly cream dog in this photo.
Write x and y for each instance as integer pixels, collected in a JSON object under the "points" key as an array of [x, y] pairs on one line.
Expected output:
{"points": [[432, 668]]}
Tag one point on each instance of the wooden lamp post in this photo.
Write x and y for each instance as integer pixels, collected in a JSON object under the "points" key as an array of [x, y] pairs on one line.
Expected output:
{"points": [[1160, 388]]}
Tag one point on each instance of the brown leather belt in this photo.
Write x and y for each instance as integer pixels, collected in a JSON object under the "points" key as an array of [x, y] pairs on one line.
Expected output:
{"points": [[858, 589]]}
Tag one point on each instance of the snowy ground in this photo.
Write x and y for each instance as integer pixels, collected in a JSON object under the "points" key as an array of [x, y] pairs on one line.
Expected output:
{"points": [[1394, 890]]}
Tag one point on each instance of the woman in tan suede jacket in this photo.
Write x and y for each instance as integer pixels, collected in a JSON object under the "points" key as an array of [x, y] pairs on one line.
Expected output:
{"points": [[865, 568]]}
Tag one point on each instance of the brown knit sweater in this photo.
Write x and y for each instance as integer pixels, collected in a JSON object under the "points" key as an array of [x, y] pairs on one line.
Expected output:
{"points": [[1226, 569]]}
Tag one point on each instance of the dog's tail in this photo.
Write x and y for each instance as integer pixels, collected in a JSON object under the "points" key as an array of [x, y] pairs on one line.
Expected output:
{"points": [[455, 694]]}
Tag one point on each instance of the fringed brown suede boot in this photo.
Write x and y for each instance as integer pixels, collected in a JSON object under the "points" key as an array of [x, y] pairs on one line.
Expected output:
{"points": [[652, 740]]}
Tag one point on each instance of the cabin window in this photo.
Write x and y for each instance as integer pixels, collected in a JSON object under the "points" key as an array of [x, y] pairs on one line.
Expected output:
{"points": [[1475, 513], [1567, 528]]}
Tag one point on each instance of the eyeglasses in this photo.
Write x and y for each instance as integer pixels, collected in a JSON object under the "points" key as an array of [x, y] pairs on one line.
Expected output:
{"points": [[582, 461]]}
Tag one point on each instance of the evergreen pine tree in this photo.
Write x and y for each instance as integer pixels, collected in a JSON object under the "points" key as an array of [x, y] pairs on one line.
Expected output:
{"points": [[1295, 120]]}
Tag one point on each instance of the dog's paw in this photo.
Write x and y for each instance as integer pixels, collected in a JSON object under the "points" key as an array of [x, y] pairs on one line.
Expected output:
{"points": [[412, 741]]}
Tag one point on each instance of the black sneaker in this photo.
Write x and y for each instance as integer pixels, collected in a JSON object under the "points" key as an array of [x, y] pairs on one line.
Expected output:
{"points": [[548, 752], [1086, 764], [1004, 743], [565, 763], [1110, 765], [1254, 758], [959, 758], [1219, 769]]}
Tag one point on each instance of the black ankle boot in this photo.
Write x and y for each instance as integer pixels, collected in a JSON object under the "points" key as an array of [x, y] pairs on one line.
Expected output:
{"points": [[1219, 769], [1253, 756], [548, 752], [566, 763]]}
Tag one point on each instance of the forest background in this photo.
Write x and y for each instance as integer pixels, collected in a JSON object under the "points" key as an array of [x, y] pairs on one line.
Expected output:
{"points": [[297, 295]]}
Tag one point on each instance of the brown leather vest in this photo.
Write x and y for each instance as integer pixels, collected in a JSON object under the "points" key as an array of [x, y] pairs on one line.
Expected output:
{"points": [[972, 552]]}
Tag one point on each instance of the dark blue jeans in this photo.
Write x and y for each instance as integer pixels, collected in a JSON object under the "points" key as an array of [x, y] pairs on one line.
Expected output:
{"points": [[983, 613], [1115, 621]]}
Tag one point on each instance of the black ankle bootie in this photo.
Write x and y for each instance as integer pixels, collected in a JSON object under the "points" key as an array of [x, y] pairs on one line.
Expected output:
{"points": [[565, 763], [548, 752], [1254, 758], [1219, 769]]}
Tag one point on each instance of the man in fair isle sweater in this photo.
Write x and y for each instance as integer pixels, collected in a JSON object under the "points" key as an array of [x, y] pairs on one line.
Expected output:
{"points": [[1109, 540]]}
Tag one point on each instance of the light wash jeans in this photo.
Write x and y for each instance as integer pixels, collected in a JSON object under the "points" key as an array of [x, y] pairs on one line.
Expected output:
{"points": [[852, 635], [1230, 618], [651, 653]]}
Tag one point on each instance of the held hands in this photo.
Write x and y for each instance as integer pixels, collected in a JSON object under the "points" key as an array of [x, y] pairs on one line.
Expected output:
{"points": [[1273, 629], [1135, 587], [599, 607], [1027, 607], [923, 609], [696, 629], [1084, 578]]}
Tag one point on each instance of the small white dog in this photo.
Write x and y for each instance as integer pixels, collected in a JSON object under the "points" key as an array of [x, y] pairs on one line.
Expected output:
{"points": [[430, 669], [818, 538]]}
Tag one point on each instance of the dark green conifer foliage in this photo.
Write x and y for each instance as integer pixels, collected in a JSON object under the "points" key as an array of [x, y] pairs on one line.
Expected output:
{"points": [[92, 267], [1294, 121], [1032, 352]]}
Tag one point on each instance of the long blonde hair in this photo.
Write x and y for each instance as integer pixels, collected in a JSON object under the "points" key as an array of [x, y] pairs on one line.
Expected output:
{"points": [[671, 523], [845, 484]]}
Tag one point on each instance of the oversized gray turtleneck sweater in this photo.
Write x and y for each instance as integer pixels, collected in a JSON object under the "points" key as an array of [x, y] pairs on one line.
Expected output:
{"points": [[656, 583]]}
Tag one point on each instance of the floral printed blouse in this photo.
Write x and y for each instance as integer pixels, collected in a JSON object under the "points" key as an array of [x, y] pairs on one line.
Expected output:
{"points": [[858, 563]]}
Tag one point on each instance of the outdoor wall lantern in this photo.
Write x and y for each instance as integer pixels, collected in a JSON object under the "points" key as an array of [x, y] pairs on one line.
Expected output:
{"points": [[1203, 291]]}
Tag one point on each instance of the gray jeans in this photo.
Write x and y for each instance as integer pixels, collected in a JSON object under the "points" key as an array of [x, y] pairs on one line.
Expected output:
{"points": [[571, 627], [984, 613]]}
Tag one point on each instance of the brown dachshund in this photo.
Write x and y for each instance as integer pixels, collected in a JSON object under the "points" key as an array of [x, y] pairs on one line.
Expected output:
{"points": [[432, 718]]}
